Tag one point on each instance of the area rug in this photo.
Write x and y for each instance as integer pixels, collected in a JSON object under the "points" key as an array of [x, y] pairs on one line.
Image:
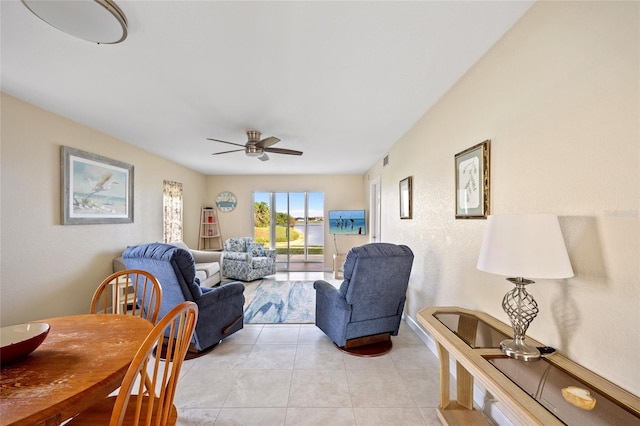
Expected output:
{"points": [[281, 302]]}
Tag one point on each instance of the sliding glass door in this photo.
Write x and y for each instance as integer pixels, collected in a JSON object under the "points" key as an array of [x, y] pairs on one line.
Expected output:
{"points": [[293, 224]]}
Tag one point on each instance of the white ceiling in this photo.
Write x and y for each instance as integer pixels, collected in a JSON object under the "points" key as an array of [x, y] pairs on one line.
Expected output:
{"points": [[341, 81]]}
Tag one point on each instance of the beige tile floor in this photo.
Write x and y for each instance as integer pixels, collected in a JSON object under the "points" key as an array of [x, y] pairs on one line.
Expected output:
{"points": [[291, 374]]}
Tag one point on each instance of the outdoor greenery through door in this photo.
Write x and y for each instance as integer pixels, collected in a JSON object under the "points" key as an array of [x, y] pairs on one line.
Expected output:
{"points": [[293, 224]]}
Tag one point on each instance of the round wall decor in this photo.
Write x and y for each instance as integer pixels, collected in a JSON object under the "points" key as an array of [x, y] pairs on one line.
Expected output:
{"points": [[226, 201]]}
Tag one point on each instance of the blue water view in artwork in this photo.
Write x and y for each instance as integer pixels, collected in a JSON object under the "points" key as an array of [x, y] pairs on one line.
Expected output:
{"points": [[347, 222]]}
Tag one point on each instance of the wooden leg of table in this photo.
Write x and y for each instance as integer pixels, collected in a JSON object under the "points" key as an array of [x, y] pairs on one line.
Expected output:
{"points": [[464, 383], [458, 412], [467, 329], [443, 355]]}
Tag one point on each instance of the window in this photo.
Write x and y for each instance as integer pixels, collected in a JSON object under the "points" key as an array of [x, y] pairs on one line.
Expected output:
{"points": [[293, 224], [172, 211]]}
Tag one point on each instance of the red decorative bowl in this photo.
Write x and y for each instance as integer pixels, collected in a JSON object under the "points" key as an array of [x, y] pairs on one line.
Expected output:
{"points": [[20, 340]]}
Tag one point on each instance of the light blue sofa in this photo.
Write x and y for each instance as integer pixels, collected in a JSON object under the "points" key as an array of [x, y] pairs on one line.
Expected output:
{"points": [[371, 298]]}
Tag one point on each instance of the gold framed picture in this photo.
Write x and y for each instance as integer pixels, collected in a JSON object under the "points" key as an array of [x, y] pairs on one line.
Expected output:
{"points": [[472, 182], [405, 198], [95, 189]]}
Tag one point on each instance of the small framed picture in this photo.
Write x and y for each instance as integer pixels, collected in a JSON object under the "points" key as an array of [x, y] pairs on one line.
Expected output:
{"points": [[405, 198], [95, 189], [472, 182]]}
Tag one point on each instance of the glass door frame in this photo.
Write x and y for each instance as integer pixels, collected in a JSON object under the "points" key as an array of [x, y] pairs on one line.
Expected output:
{"points": [[273, 212]]}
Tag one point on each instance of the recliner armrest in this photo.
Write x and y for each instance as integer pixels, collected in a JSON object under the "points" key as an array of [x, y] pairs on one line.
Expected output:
{"points": [[323, 286], [328, 291], [271, 253], [203, 256], [237, 255], [217, 294]]}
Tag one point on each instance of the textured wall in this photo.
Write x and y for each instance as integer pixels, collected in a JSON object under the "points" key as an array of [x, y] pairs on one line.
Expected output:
{"points": [[558, 96], [48, 269]]}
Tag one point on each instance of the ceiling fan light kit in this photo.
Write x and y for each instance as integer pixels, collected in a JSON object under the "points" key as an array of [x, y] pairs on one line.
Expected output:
{"points": [[252, 151], [98, 21], [255, 147]]}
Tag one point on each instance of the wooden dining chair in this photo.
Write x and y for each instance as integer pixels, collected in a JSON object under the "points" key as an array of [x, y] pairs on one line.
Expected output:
{"points": [[128, 408], [133, 292]]}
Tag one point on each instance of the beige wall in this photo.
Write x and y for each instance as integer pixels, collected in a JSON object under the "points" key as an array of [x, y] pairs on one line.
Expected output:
{"points": [[340, 192], [559, 98], [48, 269]]}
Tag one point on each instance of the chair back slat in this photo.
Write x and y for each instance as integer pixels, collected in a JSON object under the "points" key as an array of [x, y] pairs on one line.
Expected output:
{"points": [[132, 292], [164, 374], [149, 401]]}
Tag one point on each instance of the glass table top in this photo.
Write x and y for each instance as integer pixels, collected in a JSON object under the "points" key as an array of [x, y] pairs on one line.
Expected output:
{"points": [[557, 390], [572, 400], [473, 331]]}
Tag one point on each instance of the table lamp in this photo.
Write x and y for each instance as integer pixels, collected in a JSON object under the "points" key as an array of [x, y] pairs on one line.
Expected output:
{"points": [[522, 247]]}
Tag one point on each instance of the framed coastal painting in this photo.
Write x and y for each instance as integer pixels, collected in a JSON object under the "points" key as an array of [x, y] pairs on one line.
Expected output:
{"points": [[95, 189], [405, 198], [472, 182]]}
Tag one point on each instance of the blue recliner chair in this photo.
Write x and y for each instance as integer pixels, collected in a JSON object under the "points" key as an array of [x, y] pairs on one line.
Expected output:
{"points": [[366, 310], [220, 309]]}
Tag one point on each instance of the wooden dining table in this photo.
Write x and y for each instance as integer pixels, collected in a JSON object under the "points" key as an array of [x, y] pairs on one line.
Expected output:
{"points": [[83, 359]]}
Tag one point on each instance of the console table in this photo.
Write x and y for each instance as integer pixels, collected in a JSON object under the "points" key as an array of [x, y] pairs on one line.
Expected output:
{"points": [[529, 392]]}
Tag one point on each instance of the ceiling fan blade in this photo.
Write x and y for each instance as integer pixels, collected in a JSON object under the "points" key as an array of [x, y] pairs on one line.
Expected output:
{"points": [[230, 143], [226, 152], [264, 157], [268, 142], [283, 151]]}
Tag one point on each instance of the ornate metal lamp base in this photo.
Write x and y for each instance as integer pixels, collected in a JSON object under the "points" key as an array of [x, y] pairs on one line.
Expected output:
{"points": [[519, 350], [521, 309]]}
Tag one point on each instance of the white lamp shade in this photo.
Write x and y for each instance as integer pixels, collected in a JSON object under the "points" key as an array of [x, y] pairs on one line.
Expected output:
{"points": [[527, 246]]}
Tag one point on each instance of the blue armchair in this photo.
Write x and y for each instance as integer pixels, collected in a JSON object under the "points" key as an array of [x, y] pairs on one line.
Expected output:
{"points": [[220, 308], [243, 259], [367, 308]]}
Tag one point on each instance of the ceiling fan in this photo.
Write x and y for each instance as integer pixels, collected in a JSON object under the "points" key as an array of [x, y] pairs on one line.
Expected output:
{"points": [[256, 147]]}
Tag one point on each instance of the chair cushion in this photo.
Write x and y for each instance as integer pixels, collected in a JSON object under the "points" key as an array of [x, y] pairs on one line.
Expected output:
{"points": [[209, 269], [236, 255], [261, 262], [180, 244], [375, 250], [255, 249], [201, 275], [235, 244]]}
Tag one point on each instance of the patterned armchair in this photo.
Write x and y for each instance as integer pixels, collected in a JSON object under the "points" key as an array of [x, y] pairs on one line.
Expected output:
{"points": [[243, 259]]}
